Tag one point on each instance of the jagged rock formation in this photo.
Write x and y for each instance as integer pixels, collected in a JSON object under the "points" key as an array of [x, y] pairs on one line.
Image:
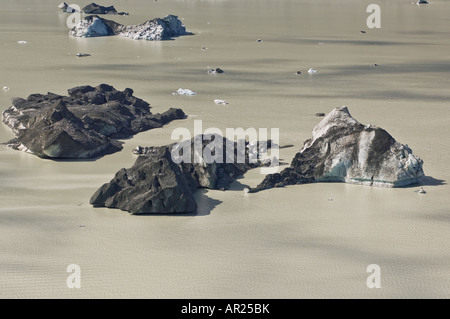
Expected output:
{"points": [[159, 182], [153, 30], [344, 150], [84, 124]]}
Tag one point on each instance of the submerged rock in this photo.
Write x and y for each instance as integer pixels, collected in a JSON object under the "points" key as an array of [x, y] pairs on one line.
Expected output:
{"points": [[84, 124], [159, 184], [153, 30], [344, 150]]}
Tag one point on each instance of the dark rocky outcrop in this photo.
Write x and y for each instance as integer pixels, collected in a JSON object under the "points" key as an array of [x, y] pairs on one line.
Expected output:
{"points": [[153, 30], [158, 182], [341, 150], [94, 8], [82, 125], [344, 150]]}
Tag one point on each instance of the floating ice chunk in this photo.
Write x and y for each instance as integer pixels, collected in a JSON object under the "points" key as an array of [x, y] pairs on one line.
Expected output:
{"points": [[181, 91], [215, 71], [312, 71], [70, 9], [220, 102], [22, 42], [63, 5]]}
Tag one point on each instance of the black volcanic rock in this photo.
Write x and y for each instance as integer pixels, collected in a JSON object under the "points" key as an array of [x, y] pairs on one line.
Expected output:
{"points": [[159, 184], [344, 150], [84, 124]]}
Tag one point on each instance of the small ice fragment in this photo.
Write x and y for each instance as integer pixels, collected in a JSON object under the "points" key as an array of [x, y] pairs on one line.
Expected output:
{"points": [[181, 91], [220, 102], [215, 71], [312, 71]]}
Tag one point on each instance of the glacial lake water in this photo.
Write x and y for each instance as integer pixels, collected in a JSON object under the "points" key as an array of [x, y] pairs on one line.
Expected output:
{"points": [[295, 242]]}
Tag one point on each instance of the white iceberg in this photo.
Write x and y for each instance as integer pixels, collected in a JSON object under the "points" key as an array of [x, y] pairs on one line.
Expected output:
{"points": [[220, 102], [181, 91]]}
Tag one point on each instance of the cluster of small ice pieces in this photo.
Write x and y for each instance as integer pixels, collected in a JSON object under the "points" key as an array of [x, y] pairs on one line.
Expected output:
{"points": [[310, 71], [218, 102], [181, 91]]}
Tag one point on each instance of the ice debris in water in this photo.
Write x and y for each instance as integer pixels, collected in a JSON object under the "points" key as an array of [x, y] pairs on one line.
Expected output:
{"points": [[181, 91], [220, 102]]}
